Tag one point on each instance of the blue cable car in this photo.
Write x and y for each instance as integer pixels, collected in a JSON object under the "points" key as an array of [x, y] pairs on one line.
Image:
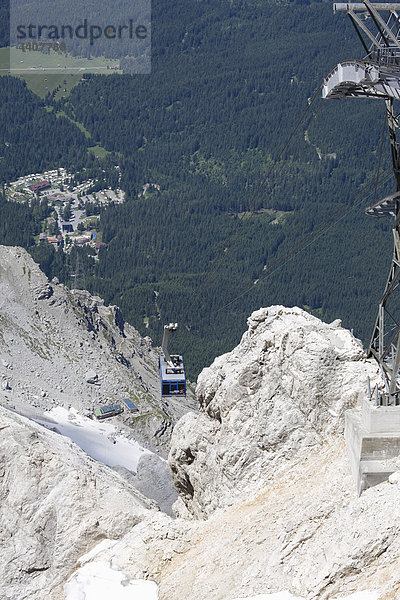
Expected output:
{"points": [[172, 371]]}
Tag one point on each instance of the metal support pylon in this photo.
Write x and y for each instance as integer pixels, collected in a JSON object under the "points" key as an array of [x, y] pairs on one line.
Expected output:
{"points": [[377, 75], [385, 340], [393, 123]]}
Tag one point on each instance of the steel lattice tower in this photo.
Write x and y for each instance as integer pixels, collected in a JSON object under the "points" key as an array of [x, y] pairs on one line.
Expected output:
{"points": [[377, 75]]}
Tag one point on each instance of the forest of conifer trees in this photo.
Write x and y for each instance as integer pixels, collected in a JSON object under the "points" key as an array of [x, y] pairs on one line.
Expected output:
{"points": [[229, 83]]}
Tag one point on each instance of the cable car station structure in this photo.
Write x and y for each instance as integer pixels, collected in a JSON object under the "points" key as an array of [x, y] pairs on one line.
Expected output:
{"points": [[373, 433]]}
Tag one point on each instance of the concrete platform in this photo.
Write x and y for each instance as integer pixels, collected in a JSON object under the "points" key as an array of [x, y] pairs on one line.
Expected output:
{"points": [[372, 435]]}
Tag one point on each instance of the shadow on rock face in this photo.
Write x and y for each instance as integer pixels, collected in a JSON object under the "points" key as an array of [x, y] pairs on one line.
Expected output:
{"points": [[154, 480]]}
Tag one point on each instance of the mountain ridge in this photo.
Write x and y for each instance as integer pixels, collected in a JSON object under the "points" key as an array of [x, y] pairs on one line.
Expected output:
{"points": [[66, 348], [267, 502]]}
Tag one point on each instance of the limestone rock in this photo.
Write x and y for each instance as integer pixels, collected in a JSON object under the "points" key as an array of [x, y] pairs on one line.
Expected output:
{"points": [[55, 504], [50, 345], [268, 441], [5, 385], [91, 377], [153, 480], [277, 395], [304, 532], [394, 478], [44, 292]]}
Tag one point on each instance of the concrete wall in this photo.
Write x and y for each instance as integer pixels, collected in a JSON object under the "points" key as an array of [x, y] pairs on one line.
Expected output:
{"points": [[373, 454], [380, 419]]}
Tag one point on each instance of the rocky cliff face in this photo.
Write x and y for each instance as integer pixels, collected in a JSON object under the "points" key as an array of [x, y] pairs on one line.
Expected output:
{"points": [[276, 397], [306, 531], [263, 466], [66, 348], [55, 504], [267, 450]]}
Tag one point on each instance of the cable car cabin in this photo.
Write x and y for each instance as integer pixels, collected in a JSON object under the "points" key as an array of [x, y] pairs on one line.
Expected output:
{"points": [[172, 375]]}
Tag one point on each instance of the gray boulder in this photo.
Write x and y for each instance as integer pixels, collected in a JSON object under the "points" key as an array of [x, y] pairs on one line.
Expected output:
{"points": [[91, 377]]}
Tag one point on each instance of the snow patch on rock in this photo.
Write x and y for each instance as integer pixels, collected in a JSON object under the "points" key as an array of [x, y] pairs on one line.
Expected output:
{"points": [[98, 581], [101, 441]]}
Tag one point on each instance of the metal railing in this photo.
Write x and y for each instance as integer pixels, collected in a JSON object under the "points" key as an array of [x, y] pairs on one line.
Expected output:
{"points": [[388, 57]]}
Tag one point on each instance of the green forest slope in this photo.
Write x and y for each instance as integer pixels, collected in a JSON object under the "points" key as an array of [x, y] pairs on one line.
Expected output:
{"points": [[229, 83]]}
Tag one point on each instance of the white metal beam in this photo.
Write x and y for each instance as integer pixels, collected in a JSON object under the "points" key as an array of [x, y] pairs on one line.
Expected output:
{"points": [[382, 23], [360, 6], [365, 29]]}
